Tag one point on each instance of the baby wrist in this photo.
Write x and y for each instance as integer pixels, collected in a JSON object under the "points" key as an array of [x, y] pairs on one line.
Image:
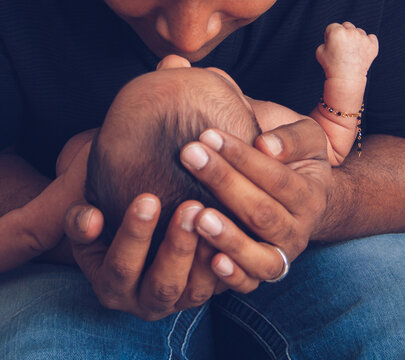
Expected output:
{"points": [[337, 113]]}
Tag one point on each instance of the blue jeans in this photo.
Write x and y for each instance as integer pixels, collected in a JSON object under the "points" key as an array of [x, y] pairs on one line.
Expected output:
{"points": [[342, 301]]}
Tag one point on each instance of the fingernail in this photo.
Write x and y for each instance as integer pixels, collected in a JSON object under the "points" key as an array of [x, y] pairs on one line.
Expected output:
{"points": [[273, 143], [211, 224], [194, 156], [224, 267], [145, 208], [187, 217], [212, 139], [83, 219]]}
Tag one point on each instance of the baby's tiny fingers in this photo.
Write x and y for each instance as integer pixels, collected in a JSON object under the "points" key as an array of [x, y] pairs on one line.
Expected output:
{"points": [[373, 38], [361, 31], [348, 25]]}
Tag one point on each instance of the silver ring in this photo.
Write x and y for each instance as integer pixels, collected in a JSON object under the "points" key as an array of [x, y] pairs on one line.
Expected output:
{"points": [[286, 267]]}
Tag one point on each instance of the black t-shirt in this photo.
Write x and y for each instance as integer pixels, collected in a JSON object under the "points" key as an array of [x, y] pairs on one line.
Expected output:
{"points": [[62, 63]]}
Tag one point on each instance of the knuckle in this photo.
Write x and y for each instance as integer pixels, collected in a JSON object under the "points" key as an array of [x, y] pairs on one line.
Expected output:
{"points": [[121, 270], [165, 294], [330, 27], [320, 51], [132, 232], [280, 180], [263, 216], [292, 147], [239, 157], [340, 33], [219, 177], [373, 38], [334, 29], [183, 249], [197, 296], [233, 244]]}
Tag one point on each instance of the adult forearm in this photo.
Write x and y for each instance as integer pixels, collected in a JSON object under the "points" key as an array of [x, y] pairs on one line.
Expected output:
{"points": [[368, 193], [19, 182], [31, 213]]}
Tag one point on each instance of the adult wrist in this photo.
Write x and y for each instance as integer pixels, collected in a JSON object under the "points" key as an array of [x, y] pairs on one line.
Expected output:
{"points": [[341, 205]]}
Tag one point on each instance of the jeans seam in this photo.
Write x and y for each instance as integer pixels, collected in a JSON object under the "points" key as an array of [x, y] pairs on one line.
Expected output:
{"points": [[170, 335], [267, 321], [181, 330], [198, 316], [268, 349]]}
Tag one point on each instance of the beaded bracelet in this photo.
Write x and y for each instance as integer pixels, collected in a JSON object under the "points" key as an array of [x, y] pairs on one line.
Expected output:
{"points": [[357, 115]]}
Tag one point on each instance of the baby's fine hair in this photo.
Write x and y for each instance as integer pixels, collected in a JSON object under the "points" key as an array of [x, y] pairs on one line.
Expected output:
{"points": [[150, 162]]}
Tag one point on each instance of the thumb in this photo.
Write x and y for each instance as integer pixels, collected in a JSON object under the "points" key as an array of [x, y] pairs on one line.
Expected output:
{"points": [[83, 226], [83, 223], [301, 140]]}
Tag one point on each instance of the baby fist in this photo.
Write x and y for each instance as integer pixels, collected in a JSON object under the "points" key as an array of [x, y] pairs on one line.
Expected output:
{"points": [[348, 51]]}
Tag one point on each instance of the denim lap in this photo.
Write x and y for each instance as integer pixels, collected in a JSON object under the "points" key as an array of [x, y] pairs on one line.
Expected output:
{"points": [[50, 312], [342, 301]]}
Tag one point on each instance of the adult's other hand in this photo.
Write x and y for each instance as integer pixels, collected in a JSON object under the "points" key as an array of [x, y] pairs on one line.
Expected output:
{"points": [[278, 190]]}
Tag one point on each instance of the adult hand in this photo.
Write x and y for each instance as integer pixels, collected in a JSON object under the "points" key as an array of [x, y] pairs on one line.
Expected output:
{"points": [[279, 193], [178, 278]]}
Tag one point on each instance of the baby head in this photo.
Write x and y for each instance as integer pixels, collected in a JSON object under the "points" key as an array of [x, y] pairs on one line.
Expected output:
{"points": [[151, 119]]}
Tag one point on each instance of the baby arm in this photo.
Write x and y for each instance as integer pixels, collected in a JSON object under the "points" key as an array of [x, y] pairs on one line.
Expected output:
{"points": [[345, 58]]}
